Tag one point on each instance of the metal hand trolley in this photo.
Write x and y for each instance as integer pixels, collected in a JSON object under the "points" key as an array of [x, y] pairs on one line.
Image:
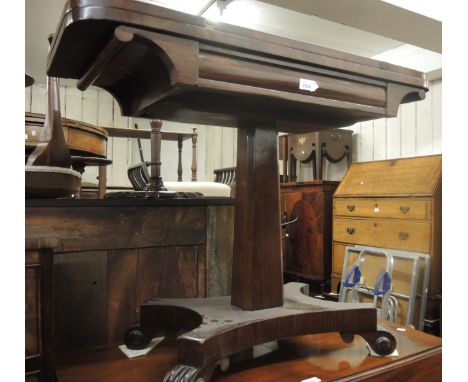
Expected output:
{"points": [[350, 282]]}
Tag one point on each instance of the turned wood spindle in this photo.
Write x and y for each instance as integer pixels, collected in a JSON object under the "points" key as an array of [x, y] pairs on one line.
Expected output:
{"points": [[179, 166], [194, 155], [156, 182]]}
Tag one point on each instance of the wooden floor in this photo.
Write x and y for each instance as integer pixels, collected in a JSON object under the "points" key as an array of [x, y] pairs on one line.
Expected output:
{"points": [[324, 356]]}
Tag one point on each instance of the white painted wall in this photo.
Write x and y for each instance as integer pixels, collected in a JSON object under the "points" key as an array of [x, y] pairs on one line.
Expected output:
{"points": [[98, 107], [416, 131]]}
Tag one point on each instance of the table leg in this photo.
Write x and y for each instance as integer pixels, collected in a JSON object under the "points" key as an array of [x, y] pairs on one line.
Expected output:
{"points": [[102, 181], [215, 328], [194, 155], [257, 275]]}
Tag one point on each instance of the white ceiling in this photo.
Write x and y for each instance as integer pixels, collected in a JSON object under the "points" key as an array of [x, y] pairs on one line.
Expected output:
{"points": [[318, 22]]}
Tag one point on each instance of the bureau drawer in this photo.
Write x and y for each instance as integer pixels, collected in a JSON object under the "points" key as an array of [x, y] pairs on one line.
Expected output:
{"points": [[398, 208], [413, 236]]}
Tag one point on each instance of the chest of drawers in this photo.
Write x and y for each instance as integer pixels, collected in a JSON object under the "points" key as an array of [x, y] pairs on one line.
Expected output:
{"points": [[391, 204], [307, 248]]}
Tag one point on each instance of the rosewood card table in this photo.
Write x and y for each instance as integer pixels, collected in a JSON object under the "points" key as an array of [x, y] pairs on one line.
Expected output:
{"points": [[164, 64]]}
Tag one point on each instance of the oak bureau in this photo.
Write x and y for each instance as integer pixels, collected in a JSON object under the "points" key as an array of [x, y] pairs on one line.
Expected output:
{"points": [[392, 204]]}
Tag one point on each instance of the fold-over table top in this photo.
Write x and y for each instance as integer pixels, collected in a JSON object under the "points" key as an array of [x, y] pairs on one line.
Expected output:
{"points": [[162, 63]]}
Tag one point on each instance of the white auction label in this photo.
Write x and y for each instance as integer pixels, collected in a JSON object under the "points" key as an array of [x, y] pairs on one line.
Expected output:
{"points": [[313, 379], [309, 85]]}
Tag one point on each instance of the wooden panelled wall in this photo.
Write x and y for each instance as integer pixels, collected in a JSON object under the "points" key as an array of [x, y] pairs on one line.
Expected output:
{"points": [[416, 131]]}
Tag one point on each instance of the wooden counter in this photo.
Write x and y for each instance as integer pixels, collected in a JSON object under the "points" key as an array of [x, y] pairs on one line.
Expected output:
{"points": [[113, 254], [324, 356]]}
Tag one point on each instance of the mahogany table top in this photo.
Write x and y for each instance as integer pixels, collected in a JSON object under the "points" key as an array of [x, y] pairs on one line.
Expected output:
{"points": [[162, 63]]}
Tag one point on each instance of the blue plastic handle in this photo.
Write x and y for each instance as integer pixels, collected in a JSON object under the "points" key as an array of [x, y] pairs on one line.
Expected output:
{"points": [[383, 284], [356, 273]]}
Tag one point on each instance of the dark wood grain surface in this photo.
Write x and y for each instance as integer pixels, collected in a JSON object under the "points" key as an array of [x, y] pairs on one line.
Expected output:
{"points": [[95, 228], [39, 304], [257, 279], [307, 249], [185, 69], [325, 356], [99, 291]]}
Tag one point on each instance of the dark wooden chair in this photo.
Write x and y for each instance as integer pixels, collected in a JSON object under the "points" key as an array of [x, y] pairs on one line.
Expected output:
{"points": [[138, 174], [227, 176]]}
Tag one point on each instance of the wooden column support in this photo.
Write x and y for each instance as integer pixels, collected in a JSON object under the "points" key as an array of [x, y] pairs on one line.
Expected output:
{"points": [[156, 182], [102, 181], [194, 155], [257, 278]]}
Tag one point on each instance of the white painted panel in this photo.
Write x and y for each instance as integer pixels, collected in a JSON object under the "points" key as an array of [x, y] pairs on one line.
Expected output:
{"points": [[105, 109], [217, 148], [90, 115], [172, 156], [235, 148], [436, 90], [105, 119], [380, 139], [228, 147], [38, 98], [334, 171], [90, 106], [424, 125], [143, 124], [366, 147], [394, 137], [201, 154], [63, 94], [120, 158], [27, 99], [73, 104], [356, 150], [209, 151], [408, 130]]}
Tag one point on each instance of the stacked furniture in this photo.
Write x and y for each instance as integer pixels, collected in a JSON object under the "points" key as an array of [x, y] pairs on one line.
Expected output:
{"points": [[331, 144], [186, 70], [392, 204]]}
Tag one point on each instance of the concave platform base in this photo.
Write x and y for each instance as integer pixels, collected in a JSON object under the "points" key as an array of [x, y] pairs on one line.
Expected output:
{"points": [[215, 329]]}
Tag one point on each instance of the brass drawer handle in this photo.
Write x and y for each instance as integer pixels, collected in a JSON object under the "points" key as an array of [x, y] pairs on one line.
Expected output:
{"points": [[351, 207], [404, 209], [350, 230], [404, 235]]}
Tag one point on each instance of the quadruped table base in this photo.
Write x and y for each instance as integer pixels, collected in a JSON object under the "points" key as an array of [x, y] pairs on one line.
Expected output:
{"points": [[215, 330]]}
